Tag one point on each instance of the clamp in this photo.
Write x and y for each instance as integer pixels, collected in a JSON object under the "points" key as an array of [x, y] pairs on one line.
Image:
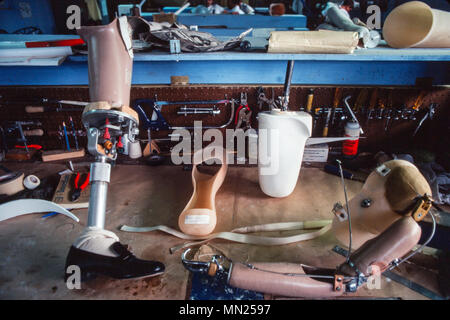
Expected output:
{"points": [[214, 267]]}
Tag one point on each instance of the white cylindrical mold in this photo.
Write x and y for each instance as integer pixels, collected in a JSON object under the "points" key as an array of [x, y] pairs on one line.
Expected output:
{"points": [[281, 143]]}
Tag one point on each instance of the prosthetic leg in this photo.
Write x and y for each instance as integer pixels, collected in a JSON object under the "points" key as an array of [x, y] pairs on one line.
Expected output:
{"points": [[112, 128]]}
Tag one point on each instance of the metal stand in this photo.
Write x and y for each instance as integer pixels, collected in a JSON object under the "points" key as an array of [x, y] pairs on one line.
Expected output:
{"points": [[99, 179], [106, 128]]}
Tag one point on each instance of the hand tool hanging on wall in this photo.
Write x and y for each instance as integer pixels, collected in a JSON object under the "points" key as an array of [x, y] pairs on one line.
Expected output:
{"points": [[157, 121], [12, 126], [40, 109], [372, 104], [74, 133], [309, 100], [380, 109], [419, 100], [428, 115], [243, 114], [360, 100], [327, 123], [263, 100], [390, 110], [186, 110], [41, 104], [336, 100]]}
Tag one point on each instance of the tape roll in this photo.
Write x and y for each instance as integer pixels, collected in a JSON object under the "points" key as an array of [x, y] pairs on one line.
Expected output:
{"points": [[31, 182], [11, 183]]}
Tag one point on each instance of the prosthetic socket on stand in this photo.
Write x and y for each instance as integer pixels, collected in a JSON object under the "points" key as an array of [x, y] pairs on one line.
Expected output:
{"points": [[109, 122]]}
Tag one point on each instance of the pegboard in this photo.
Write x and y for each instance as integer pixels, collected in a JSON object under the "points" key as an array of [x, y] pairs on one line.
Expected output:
{"points": [[434, 134]]}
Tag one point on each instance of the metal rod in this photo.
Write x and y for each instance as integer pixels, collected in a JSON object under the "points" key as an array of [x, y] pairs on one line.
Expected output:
{"points": [[99, 179], [185, 111], [287, 85], [348, 212]]}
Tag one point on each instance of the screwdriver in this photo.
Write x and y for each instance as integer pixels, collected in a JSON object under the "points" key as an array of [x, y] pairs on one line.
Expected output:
{"points": [[334, 170], [336, 100], [309, 100]]}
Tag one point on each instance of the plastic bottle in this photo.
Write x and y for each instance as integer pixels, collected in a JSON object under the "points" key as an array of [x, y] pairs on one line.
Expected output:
{"points": [[350, 147]]}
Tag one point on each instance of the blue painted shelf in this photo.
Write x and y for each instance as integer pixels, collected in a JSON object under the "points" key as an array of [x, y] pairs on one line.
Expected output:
{"points": [[379, 66]]}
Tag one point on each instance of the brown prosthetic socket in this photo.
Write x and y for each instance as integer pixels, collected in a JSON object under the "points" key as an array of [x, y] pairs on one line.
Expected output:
{"points": [[393, 243], [110, 62], [279, 279], [391, 196]]}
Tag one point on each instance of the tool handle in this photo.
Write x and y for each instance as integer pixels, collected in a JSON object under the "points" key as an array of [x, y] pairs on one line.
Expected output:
{"points": [[309, 102], [373, 99], [31, 109], [34, 132], [325, 132], [337, 97]]}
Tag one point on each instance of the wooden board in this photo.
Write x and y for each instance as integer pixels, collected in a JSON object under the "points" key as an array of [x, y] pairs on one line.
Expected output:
{"points": [[55, 155]]}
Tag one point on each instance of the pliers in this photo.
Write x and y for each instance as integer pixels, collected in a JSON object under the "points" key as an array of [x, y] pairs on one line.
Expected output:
{"points": [[78, 188], [243, 113]]}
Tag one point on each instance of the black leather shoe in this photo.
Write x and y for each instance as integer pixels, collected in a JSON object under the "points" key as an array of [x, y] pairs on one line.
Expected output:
{"points": [[125, 266]]}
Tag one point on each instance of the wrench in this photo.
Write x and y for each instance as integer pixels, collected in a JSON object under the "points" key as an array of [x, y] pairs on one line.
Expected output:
{"points": [[429, 114]]}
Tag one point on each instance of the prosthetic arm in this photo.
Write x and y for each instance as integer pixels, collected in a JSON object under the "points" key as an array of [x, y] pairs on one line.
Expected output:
{"points": [[378, 252]]}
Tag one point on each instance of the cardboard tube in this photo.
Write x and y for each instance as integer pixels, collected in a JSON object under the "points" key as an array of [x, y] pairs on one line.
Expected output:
{"points": [[415, 24]]}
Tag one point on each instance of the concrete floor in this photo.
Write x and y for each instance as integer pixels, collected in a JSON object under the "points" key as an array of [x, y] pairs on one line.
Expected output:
{"points": [[33, 250]]}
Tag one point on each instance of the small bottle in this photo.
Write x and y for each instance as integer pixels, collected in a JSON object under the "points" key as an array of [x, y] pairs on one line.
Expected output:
{"points": [[350, 147]]}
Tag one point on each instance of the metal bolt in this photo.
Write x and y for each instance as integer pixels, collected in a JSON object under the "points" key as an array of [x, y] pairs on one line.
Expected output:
{"points": [[366, 203]]}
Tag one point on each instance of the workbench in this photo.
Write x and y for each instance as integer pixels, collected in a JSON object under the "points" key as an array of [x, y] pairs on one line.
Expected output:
{"points": [[34, 249], [379, 66]]}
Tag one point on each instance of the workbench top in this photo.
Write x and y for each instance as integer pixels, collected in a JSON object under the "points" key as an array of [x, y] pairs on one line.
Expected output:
{"points": [[34, 249]]}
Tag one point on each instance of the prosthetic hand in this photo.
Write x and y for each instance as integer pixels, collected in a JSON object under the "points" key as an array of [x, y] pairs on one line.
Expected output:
{"points": [[393, 187], [112, 128]]}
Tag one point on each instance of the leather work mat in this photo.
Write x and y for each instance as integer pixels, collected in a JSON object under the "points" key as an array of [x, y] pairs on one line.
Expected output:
{"points": [[34, 249]]}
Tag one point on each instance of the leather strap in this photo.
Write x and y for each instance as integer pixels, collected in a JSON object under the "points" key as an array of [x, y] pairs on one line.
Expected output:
{"points": [[235, 236], [122, 251]]}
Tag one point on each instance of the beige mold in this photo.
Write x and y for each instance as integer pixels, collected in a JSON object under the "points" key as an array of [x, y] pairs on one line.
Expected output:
{"points": [[415, 24]]}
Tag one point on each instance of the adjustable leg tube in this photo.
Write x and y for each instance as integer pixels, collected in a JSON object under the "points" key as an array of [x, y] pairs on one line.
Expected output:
{"points": [[100, 175]]}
